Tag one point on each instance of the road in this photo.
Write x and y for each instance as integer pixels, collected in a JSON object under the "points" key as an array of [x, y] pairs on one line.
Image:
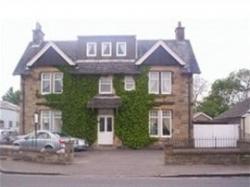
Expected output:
{"points": [[10, 180]]}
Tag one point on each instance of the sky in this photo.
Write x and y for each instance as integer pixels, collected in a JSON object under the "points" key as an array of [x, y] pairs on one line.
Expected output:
{"points": [[218, 30]]}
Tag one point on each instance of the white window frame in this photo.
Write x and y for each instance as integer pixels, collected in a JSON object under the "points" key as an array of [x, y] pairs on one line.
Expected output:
{"points": [[54, 80], [110, 47], [51, 118], [168, 80], [87, 49], [170, 121], [117, 49], [160, 124], [149, 82], [42, 117], [50, 81], [127, 80], [161, 82], [111, 85], [155, 117]]}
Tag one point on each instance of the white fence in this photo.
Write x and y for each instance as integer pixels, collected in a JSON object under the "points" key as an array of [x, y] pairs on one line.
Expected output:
{"points": [[216, 135]]}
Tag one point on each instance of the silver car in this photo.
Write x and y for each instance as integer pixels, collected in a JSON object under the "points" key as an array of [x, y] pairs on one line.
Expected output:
{"points": [[43, 140], [79, 144], [7, 136]]}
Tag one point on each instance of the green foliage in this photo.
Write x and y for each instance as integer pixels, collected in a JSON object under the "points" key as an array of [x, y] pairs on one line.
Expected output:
{"points": [[12, 96], [213, 105], [225, 92], [131, 120], [78, 120]]}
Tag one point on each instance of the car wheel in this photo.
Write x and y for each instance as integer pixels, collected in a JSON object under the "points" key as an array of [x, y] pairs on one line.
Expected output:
{"points": [[16, 144], [48, 147]]}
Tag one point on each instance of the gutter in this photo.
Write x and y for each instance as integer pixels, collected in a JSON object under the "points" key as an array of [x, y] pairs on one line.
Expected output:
{"points": [[189, 107], [23, 103]]}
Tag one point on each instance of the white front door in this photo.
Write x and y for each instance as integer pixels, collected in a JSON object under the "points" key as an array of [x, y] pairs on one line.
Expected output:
{"points": [[105, 130]]}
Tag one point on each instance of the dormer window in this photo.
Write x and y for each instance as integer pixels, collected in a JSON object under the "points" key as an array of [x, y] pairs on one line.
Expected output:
{"points": [[121, 49], [91, 49], [106, 49]]}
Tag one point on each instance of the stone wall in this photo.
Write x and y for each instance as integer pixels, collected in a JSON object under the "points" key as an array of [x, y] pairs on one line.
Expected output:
{"points": [[31, 102], [206, 156], [63, 156], [177, 102]]}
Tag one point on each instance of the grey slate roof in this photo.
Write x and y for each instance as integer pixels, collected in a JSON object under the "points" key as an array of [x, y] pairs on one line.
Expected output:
{"points": [[103, 68], [182, 48], [237, 110], [108, 101]]}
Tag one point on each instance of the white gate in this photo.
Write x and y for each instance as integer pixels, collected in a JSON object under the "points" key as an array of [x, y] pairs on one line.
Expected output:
{"points": [[216, 135]]}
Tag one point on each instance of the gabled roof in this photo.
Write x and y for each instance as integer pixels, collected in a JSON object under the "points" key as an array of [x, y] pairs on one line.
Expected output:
{"points": [[44, 49], [9, 106], [181, 49], [158, 44], [238, 110], [196, 115]]}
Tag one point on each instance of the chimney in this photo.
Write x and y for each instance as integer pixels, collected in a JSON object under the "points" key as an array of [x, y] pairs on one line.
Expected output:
{"points": [[38, 35], [179, 32]]}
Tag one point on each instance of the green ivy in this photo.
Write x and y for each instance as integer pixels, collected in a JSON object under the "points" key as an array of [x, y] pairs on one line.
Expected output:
{"points": [[78, 120], [131, 120]]}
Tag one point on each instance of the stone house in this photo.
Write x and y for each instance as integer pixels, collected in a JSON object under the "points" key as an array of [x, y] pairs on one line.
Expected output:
{"points": [[171, 64]]}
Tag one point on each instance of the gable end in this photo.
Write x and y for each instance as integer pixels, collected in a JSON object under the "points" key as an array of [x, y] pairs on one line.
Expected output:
{"points": [[53, 46]]}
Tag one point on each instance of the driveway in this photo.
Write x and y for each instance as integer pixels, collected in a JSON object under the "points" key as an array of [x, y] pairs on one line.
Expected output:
{"points": [[121, 162]]}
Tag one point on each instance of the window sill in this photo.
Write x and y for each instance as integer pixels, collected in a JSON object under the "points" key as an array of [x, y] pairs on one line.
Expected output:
{"points": [[160, 137]]}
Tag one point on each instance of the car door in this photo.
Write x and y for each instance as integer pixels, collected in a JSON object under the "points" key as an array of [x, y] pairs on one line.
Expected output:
{"points": [[43, 139]]}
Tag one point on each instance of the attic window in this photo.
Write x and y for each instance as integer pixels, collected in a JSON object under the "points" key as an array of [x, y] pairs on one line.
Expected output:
{"points": [[91, 49], [121, 49], [106, 49]]}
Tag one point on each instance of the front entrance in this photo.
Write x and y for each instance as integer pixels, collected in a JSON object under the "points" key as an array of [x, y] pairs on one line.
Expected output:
{"points": [[105, 130]]}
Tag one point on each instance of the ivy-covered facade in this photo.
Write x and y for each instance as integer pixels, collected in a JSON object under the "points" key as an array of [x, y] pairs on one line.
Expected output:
{"points": [[110, 90]]}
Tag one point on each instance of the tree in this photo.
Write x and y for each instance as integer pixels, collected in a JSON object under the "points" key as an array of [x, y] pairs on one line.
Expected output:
{"points": [[242, 77], [226, 92], [200, 86], [12, 96]]}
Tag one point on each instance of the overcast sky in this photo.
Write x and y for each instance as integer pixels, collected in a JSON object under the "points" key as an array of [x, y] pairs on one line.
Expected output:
{"points": [[219, 30]]}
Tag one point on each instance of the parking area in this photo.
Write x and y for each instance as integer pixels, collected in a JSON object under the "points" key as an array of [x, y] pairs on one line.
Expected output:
{"points": [[120, 162]]}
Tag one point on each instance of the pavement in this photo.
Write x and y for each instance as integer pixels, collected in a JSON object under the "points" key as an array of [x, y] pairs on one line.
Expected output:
{"points": [[118, 163]]}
